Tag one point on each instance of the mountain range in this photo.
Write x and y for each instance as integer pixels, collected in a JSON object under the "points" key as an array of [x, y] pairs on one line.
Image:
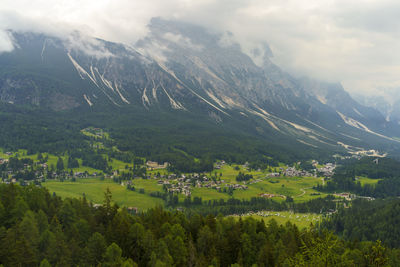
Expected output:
{"points": [[181, 88], [387, 103]]}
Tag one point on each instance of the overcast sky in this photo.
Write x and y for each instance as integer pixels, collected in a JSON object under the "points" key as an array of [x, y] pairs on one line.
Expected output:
{"points": [[353, 42]]}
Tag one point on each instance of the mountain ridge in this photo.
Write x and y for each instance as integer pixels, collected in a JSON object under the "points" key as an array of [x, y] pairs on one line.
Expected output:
{"points": [[191, 72]]}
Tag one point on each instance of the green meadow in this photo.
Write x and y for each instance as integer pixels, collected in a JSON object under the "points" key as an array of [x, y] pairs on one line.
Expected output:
{"points": [[302, 220], [365, 180], [94, 190], [149, 185], [299, 188], [209, 194], [229, 172]]}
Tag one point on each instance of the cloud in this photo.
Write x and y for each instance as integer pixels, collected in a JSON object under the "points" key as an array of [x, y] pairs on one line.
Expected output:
{"points": [[90, 46], [183, 41], [6, 43], [350, 41]]}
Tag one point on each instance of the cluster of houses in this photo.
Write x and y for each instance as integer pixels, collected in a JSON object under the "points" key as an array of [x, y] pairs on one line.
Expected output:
{"points": [[175, 184], [327, 170], [346, 196], [219, 164], [2, 161], [292, 171], [350, 197], [237, 186], [40, 171], [180, 188], [183, 184], [152, 165]]}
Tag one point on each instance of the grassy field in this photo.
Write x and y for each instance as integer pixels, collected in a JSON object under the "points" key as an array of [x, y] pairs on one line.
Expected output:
{"points": [[299, 188], [91, 132], [365, 180], [229, 172], [94, 191], [209, 194], [20, 153], [160, 171], [149, 185], [52, 161], [302, 220], [119, 165]]}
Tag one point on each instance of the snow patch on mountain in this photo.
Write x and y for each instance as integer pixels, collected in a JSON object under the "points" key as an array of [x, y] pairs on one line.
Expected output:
{"points": [[82, 72], [87, 100], [358, 112], [265, 118], [174, 104], [308, 144], [321, 99], [353, 122], [145, 99], [154, 90], [119, 93], [190, 89], [43, 48], [359, 125], [199, 63], [216, 100]]}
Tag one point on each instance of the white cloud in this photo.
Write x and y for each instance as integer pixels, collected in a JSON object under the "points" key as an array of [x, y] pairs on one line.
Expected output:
{"points": [[351, 41], [184, 41], [6, 44]]}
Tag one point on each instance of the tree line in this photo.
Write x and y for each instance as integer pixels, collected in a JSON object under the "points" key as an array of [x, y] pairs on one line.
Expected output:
{"points": [[368, 220], [37, 228], [385, 169]]}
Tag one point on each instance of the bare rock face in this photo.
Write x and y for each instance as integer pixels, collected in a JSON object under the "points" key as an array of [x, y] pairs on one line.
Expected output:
{"points": [[180, 67], [28, 92], [62, 102]]}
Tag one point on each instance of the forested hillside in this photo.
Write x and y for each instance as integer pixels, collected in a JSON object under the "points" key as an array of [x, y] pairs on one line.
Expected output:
{"points": [[368, 220], [39, 228], [385, 170], [156, 136]]}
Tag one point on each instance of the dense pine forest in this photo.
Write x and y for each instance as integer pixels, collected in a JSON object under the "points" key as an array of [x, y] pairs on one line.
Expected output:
{"points": [[199, 133], [156, 136], [368, 220], [38, 228], [386, 170]]}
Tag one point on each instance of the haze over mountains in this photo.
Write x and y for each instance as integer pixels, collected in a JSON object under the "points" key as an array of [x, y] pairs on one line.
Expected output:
{"points": [[387, 102], [191, 75]]}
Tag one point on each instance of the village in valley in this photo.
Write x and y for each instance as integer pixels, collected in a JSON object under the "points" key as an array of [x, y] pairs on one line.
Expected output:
{"points": [[34, 169], [140, 184], [185, 183]]}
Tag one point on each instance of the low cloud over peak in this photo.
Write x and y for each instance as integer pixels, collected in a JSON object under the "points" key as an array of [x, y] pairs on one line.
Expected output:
{"points": [[353, 42]]}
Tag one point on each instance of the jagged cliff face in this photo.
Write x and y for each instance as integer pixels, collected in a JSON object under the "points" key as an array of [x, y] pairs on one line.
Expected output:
{"points": [[189, 69]]}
